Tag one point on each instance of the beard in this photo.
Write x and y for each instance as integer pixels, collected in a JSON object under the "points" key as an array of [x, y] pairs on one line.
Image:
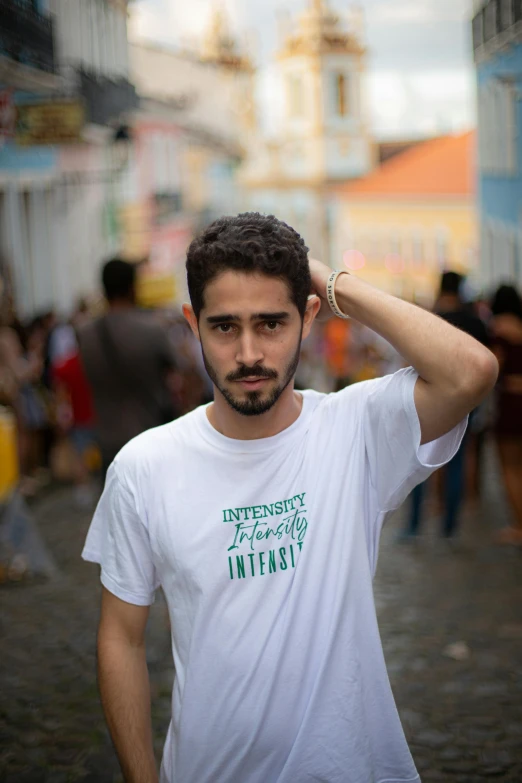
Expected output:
{"points": [[254, 404]]}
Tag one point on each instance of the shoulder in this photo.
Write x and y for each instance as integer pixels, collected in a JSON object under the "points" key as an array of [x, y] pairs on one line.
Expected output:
{"points": [[361, 392], [147, 455], [388, 393]]}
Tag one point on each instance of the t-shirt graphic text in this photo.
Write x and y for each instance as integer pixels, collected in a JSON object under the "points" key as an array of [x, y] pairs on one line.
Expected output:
{"points": [[284, 520]]}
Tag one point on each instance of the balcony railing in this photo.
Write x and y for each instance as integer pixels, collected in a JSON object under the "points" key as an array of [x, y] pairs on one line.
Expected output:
{"points": [[26, 36], [494, 18]]}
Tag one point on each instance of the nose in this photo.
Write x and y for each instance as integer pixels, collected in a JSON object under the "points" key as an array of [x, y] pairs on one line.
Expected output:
{"points": [[249, 350]]}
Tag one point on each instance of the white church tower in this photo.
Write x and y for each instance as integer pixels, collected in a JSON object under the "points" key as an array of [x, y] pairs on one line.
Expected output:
{"points": [[322, 136], [321, 68]]}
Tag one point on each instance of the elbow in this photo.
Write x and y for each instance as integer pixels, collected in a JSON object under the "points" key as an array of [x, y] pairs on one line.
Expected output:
{"points": [[481, 376]]}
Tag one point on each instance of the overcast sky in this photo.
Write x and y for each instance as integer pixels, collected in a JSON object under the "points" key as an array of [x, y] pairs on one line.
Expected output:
{"points": [[421, 77]]}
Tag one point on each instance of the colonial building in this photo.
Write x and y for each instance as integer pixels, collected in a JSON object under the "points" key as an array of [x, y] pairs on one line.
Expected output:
{"points": [[412, 218], [64, 73], [497, 41], [196, 108], [322, 135]]}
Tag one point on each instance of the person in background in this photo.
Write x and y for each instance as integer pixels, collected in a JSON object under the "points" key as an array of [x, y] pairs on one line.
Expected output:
{"points": [[81, 314], [338, 355], [451, 308], [506, 309], [129, 363], [195, 385], [482, 421], [36, 409], [75, 411]]}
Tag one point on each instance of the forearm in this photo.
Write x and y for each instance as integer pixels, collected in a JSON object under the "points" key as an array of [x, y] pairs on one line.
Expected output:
{"points": [[442, 355], [125, 693]]}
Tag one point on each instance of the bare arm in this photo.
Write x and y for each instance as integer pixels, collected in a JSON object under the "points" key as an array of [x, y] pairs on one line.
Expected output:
{"points": [[124, 686], [456, 372]]}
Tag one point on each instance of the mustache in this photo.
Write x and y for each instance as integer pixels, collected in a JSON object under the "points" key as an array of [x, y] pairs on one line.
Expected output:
{"points": [[251, 372]]}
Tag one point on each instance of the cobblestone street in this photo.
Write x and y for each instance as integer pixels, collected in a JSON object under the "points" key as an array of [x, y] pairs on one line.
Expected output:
{"points": [[450, 619]]}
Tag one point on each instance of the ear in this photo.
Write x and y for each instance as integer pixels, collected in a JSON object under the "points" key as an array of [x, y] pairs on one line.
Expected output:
{"points": [[191, 319], [312, 308]]}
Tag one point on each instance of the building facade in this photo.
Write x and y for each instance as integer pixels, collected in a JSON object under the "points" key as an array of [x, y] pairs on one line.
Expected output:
{"points": [[411, 219], [497, 42], [195, 110], [64, 82]]}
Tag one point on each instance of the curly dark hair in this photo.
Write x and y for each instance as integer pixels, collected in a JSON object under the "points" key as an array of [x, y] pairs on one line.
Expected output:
{"points": [[249, 242]]}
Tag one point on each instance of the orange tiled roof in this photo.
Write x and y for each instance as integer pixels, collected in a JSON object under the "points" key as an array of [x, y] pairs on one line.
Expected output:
{"points": [[442, 166]]}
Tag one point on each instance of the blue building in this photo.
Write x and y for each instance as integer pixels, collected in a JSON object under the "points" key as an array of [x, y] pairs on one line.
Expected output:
{"points": [[497, 43]]}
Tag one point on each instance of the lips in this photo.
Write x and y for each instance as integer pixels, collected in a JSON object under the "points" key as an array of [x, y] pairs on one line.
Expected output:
{"points": [[252, 384]]}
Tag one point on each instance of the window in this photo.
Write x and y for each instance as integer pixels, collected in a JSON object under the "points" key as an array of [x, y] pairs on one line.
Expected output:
{"points": [[341, 94], [295, 96], [491, 21], [478, 30], [374, 246], [417, 248], [506, 14], [395, 244], [498, 127], [441, 247]]}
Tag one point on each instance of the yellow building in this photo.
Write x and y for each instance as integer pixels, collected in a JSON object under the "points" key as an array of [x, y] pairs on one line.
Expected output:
{"points": [[411, 218]]}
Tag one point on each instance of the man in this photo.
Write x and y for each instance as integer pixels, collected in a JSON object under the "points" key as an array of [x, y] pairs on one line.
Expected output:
{"points": [[260, 514], [450, 307], [129, 363]]}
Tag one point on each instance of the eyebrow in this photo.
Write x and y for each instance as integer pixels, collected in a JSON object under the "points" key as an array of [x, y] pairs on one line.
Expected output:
{"points": [[219, 319]]}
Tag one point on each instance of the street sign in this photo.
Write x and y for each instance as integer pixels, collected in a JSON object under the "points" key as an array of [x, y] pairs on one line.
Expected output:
{"points": [[56, 122]]}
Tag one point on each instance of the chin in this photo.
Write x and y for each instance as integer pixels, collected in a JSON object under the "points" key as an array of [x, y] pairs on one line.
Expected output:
{"points": [[253, 403]]}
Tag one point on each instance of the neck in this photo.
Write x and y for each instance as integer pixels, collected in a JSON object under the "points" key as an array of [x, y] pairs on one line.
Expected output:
{"points": [[449, 302], [232, 424]]}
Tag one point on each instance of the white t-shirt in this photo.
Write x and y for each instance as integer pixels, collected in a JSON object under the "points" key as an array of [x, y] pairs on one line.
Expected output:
{"points": [[265, 550]]}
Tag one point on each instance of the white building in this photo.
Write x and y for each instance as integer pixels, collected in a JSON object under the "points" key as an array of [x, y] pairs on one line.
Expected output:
{"points": [[323, 135], [58, 200]]}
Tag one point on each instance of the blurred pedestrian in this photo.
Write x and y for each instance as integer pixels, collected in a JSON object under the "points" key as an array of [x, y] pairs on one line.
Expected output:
{"points": [[338, 353], [129, 363], [506, 309], [81, 314], [36, 409], [75, 411], [452, 309]]}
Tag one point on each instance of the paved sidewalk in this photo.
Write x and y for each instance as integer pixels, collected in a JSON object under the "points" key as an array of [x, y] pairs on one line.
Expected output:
{"points": [[436, 604]]}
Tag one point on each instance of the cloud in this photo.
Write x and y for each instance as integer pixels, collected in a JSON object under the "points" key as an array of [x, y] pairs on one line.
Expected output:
{"points": [[414, 11], [421, 103]]}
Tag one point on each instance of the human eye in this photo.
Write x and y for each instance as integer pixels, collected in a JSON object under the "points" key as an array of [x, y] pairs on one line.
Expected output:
{"points": [[272, 326], [224, 328]]}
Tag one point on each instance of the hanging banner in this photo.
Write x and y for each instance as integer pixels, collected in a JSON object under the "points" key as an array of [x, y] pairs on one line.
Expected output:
{"points": [[57, 122]]}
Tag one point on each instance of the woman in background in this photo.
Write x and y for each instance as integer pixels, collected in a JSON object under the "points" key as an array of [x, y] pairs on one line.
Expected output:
{"points": [[506, 309]]}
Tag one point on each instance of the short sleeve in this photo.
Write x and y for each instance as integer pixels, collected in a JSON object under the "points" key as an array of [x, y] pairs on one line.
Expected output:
{"points": [[397, 462], [118, 540]]}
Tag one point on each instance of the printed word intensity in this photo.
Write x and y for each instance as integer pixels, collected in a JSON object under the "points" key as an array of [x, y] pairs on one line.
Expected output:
{"points": [[256, 527], [263, 511]]}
